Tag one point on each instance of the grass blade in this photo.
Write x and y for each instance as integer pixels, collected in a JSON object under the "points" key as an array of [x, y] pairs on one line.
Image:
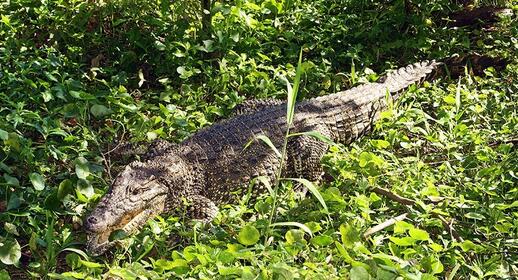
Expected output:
{"points": [[267, 141], [264, 180], [314, 134], [292, 92], [313, 189], [294, 224]]}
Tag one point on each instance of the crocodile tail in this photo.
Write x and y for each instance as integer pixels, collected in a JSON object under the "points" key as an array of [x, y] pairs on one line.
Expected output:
{"points": [[400, 79]]}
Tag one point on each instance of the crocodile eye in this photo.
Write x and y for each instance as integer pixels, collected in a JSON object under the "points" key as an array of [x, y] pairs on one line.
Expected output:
{"points": [[137, 191]]}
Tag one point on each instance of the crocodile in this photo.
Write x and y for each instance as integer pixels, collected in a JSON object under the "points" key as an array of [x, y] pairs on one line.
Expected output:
{"points": [[213, 167]]}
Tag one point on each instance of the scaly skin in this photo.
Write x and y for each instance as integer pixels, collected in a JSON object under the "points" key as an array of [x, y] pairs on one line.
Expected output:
{"points": [[212, 166]]}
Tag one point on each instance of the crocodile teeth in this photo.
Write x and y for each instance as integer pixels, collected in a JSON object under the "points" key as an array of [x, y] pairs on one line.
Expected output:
{"points": [[98, 243], [137, 221]]}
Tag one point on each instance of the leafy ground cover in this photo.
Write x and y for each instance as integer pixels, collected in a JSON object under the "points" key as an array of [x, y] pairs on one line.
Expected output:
{"points": [[78, 77]]}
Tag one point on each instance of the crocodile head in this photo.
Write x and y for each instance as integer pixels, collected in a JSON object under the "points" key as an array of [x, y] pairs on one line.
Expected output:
{"points": [[135, 196]]}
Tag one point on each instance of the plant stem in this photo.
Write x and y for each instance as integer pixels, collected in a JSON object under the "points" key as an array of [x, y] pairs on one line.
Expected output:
{"points": [[277, 183]]}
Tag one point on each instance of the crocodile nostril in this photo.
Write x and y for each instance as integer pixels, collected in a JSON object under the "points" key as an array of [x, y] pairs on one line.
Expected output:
{"points": [[92, 220]]}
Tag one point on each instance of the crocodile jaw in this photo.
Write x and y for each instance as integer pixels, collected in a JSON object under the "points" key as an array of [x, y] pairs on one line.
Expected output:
{"points": [[98, 242]]}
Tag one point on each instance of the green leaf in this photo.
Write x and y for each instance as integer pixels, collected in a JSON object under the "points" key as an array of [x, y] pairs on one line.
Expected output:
{"points": [[169, 265], [85, 188], [449, 99], [248, 235], [13, 181], [100, 110], [293, 224], [90, 264], [73, 260], [380, 144], [10, 251], [359, 273], [117, 235], [367, 157], [419, 234], [294, 235], [4, 135], [313, 189], [349, 235], [402, 226], [322, 240], [65, 187], [405, 241], [14, 202], [4, 275], [475, 216], [11, 228], [82, 169], [37, 181]]}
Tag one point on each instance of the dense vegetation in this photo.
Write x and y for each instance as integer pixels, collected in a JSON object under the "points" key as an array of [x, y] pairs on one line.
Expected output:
{"points": [[78, 77]]}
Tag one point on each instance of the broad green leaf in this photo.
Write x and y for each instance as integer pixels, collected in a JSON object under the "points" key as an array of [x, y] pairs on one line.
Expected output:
{"points": [[226, 271], [82, 169], [475, 216], [65, 187], [13, 181], [468, 245], [4, 135], [248, 235], [322, 240], [293, 224], [313, 226], [380, 144], [418, 234], [367, 157], [124, 273], [349, 235], [73, 260], [100, 110], [90, 264], [6, 20], [294, 235], [4, 275], [85, 188], [155, 227], [359, 273], [450, 99], [37, 181], [169, 265], [404, 241], [118, 235], [11, 228], [10, 251]]}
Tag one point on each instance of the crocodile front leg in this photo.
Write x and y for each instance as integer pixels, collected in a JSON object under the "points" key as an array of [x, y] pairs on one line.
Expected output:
{"points": [[201, 209]]}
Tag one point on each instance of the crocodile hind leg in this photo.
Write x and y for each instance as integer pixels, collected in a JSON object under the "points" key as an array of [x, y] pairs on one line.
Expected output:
{"points": [[304, 153]]}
